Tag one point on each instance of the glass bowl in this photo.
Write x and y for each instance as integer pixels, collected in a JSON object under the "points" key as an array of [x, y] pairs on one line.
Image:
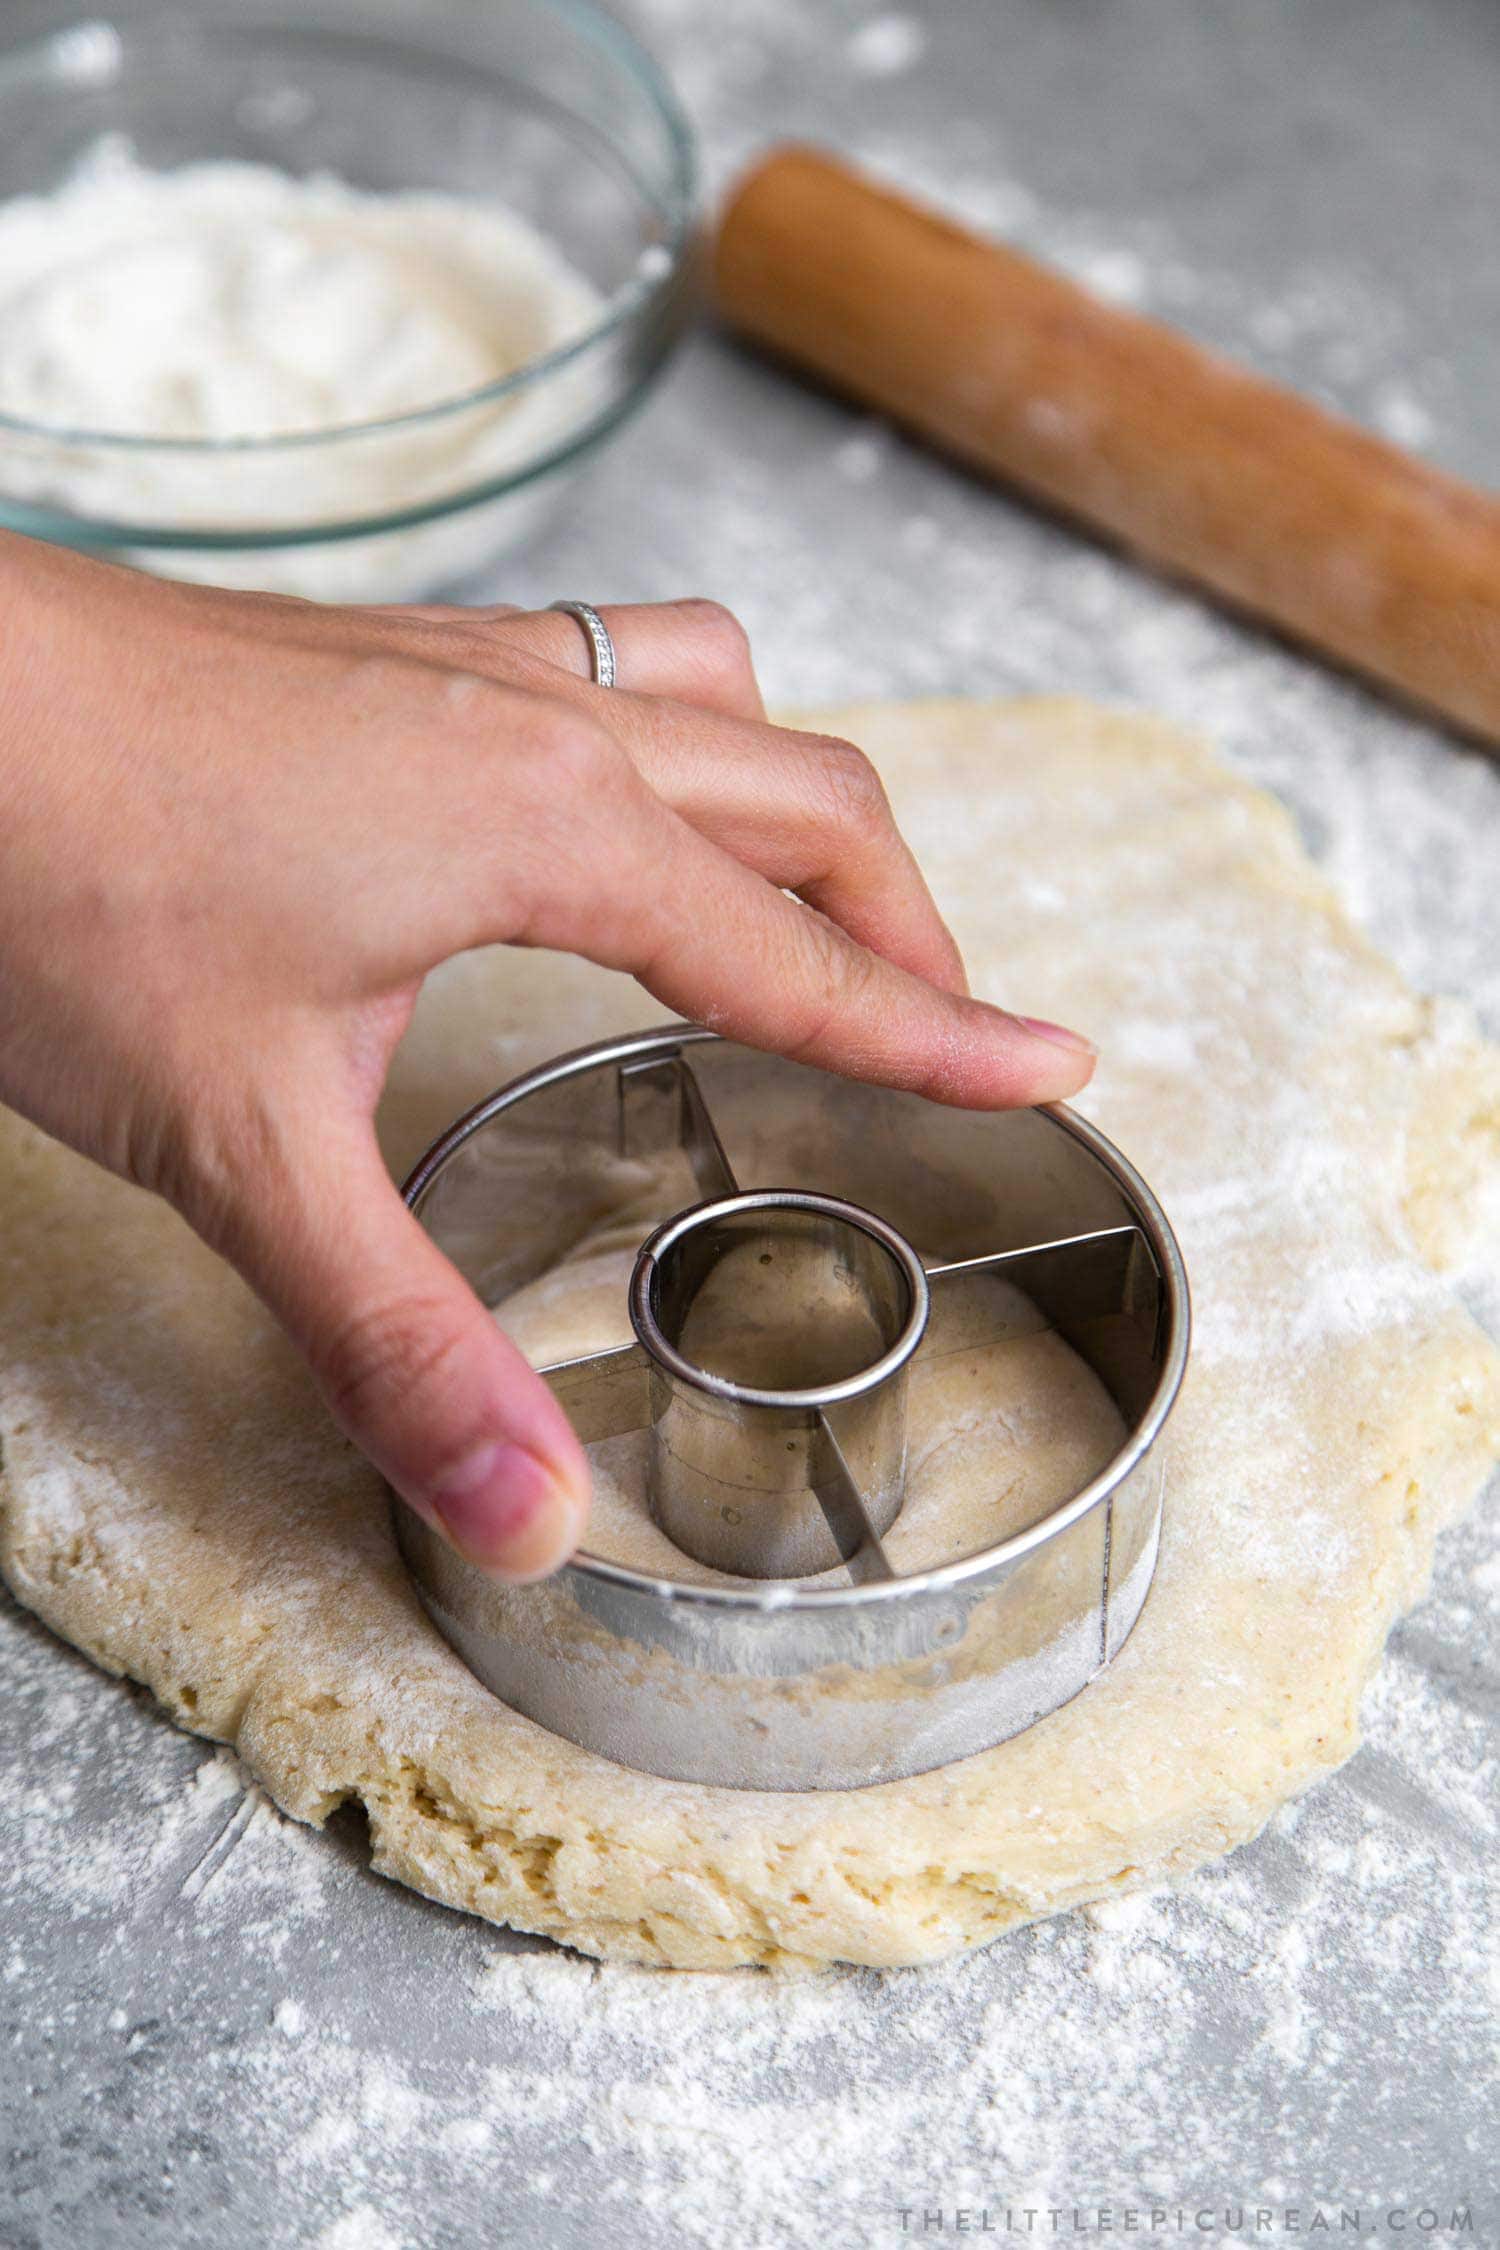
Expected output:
{"points": [[546, 106]]}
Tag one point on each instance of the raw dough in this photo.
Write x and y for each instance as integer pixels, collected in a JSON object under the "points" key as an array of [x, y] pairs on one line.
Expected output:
{"points": [[996, 1436], [176, 1505]]}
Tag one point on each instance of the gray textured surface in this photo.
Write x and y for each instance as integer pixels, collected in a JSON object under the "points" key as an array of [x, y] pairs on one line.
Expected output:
{"points": [[1314, 188]]}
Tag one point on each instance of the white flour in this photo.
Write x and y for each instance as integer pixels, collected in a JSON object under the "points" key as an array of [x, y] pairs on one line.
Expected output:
{"points": [[744, 2109], [885, 46], [231, 302], [397, 2061], [1299, 2002]]}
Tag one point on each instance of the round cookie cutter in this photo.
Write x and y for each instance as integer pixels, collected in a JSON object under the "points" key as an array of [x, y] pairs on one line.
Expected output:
{"points": [[778, 1454]]}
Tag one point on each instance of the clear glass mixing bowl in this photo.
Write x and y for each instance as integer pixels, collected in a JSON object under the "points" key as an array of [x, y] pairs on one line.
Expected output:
{"points": [[547, 106]]}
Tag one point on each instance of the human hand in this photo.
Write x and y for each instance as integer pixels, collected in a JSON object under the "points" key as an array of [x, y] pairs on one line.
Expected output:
{"points": [[236, 833]]}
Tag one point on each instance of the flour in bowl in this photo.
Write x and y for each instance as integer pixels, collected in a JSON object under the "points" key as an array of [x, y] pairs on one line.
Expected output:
{"points": [[227, 305]]}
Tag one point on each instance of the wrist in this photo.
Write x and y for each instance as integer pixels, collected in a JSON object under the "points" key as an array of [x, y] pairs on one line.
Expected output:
{"points": [[48, 684], [39, 593]]}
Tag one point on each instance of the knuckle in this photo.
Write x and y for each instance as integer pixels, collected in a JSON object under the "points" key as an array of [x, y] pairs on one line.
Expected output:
{"points": [[838, 978], [852, 970], [446, 706], [466, 703], [716, 621], [720, 638], [571, 755], [385, 1351], [852, 790], [562, 799], [540, 756]]}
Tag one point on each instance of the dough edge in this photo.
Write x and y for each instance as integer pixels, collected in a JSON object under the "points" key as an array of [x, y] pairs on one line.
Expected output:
{"points": [[505, 1821]]}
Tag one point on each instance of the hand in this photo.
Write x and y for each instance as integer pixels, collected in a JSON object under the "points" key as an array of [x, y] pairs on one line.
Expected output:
{"points": [[237, 832]]}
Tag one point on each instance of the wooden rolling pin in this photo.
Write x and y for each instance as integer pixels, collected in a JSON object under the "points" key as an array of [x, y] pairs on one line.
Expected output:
{"points": [[1283, 510]]}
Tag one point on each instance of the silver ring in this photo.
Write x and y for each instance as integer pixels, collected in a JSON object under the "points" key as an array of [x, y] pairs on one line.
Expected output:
{"points": [[601, 647]]}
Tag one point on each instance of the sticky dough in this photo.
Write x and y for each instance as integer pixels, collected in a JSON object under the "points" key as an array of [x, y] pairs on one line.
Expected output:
{"points": [[176, 1505]]}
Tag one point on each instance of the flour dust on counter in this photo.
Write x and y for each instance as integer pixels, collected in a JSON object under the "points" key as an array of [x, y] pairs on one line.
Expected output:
{"points": [[1323, 1140], [813, 2107]]}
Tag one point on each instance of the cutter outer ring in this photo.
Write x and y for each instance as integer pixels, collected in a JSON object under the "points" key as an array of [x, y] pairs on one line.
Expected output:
{"points": [[1148, 1214], [781, 1685]]}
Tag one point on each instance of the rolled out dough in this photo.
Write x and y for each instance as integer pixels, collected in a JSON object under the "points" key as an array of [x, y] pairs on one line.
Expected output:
{"points": [[175, 1504], [997, 1434]]}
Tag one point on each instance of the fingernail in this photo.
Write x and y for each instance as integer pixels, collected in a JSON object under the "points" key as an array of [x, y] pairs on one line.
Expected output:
{"points": [[1058, 1033], [507, 1512]]}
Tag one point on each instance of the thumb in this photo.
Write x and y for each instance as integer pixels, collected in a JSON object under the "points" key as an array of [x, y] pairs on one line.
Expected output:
{"points": [[417, 1373]]}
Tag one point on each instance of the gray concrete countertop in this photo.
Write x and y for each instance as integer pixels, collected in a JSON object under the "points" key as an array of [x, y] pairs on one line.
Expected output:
{"points": [[221, 2029]]}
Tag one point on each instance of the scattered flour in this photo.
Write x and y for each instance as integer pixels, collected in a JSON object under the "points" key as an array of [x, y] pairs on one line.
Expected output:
{"points": [[360, 2229], [1090, 2059], [886, 46], [1323, 2002]]}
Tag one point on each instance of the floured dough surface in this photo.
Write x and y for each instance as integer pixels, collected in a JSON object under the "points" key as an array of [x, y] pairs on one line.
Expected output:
{"points": [[997, 1434], [176, 1505]]}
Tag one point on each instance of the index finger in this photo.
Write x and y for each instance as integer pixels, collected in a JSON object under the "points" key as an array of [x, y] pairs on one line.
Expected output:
{"points": [[633, 886]]}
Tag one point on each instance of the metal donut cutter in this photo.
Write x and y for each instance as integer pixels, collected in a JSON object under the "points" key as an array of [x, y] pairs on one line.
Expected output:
{"points": [[778, 1456]]}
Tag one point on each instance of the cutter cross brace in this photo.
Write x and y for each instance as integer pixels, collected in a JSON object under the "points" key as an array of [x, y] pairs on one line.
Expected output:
{"points": [[779, 1306]]}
